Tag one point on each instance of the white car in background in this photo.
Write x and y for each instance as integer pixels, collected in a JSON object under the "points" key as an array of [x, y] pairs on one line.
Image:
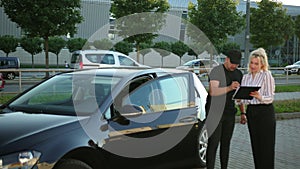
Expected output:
{"points": [[86, 59], [199, 66], [293, 69]]}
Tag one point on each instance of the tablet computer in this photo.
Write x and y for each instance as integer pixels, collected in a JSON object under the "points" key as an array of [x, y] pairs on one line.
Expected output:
{"points": [[243, 92]]}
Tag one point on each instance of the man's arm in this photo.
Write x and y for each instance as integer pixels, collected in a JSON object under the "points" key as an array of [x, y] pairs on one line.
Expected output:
{"points": [[215, 90]]}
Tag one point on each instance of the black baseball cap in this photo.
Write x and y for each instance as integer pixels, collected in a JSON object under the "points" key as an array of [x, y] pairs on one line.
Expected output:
{"points": [[234, 55]]}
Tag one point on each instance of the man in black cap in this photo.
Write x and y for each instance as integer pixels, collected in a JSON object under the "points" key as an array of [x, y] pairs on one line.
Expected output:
{"points": [[220, 107]]}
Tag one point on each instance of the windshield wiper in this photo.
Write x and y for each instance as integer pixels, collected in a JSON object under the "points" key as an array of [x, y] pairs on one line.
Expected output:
{"points": [[6, 109]]}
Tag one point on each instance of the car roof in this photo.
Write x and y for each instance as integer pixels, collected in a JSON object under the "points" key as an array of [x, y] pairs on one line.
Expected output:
{"points": [[126, 71], [196, 60], [297, 62], [95, 51]]}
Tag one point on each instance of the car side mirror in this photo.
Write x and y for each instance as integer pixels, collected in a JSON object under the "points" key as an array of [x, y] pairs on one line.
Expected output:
{"points": [[120, 116]]}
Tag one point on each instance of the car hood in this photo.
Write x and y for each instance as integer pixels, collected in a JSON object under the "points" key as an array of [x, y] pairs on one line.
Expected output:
{"points": [[182, 67], [17, 126], [291, 66]]}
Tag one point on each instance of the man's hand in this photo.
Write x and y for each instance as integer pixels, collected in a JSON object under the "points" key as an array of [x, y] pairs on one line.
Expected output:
{"points": [[243, 118], [234, 85]]}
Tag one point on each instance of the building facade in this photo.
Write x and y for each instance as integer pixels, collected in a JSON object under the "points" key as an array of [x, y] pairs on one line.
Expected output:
{"points": [[97, 17]]}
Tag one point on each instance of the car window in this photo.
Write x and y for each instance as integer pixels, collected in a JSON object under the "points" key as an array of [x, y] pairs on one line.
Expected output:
{"points": [[75, 58], [125, 61], [158, 95], [108, 59], [67, 94], [12, 63], [175, 92], [3, 63], [101, 58], [202, 63]]}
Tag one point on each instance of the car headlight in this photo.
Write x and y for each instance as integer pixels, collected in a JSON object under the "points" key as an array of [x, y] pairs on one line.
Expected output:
{"points": [[22, 160]]}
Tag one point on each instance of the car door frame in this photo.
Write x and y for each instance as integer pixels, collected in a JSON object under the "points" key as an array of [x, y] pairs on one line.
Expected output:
{"points": [[181, 121]]}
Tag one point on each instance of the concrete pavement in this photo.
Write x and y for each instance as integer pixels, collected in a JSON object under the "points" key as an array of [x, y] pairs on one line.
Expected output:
{"points": [[287, 148]]}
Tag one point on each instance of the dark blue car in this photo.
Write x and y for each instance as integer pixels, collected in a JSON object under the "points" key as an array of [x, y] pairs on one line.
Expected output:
{"points": [[9, 63], [106, 118]]}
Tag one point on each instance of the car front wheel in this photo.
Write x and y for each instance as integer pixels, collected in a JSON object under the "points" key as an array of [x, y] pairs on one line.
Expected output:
{"points": [[202, 145], [71, 164]]}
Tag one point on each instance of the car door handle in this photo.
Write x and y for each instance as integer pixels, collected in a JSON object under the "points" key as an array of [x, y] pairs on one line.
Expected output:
{"points": [[188, 119]]}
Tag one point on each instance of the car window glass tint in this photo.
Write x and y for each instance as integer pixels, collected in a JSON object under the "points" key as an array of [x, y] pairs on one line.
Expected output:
{"points": [[11, 63], [125, 61], [95, 58], [107, 59], [174, 91], [75, 58], [159, 95], [139, 95]]}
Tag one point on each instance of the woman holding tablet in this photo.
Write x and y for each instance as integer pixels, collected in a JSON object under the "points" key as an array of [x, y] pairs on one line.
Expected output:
{"points": [[260, 111]]}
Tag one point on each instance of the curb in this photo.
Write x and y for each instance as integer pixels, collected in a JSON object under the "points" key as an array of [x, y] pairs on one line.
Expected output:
{"points": [[278, 116]]}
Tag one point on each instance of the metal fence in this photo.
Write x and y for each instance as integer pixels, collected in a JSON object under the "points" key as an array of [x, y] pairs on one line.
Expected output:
{"points": [[34, 76]]}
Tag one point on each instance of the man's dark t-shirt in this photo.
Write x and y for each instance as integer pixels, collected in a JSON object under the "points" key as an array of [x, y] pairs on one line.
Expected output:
{"points": [[225, 77]]}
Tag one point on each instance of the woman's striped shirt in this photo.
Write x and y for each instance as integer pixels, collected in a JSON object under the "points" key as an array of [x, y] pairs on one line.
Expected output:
{"points": [[267, 90]]}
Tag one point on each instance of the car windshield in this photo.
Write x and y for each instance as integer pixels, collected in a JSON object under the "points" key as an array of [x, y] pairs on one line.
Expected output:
{"points": [[189, 63], [66, 94], [297, 63]]}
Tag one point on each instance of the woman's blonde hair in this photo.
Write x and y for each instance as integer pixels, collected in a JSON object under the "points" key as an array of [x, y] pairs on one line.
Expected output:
{"points": [[261, 54]]}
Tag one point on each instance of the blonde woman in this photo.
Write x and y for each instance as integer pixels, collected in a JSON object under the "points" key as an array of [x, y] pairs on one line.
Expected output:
{"points": [[260, 114]]}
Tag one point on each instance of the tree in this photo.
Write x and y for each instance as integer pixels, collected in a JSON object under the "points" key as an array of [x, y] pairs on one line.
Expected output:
{"points": [[55, 45], [163, 48], [216, 18], [32, 46], [270, 25], [144, 49], [124, 47], [227, 46], [179, 48], [138, 20], [103, 44], [8, 44], [297, 26], [44, 18], [76, 44]]}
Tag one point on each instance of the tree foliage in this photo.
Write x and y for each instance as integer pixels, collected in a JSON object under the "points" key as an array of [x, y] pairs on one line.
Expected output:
{"points": [[44, 18], [179, 48], [270, 25], [76, 44], [216, 18], [145, 48], [138, 20], [8, 44], [163, 48], [297, 26], [124, 47], [32, 45], [227, 46], [103, 44], [56, 44]]}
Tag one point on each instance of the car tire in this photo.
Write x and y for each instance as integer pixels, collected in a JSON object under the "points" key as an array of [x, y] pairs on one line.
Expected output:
{"points": [[10, 76], [71, 164], [298, 72], [202, 145]]}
